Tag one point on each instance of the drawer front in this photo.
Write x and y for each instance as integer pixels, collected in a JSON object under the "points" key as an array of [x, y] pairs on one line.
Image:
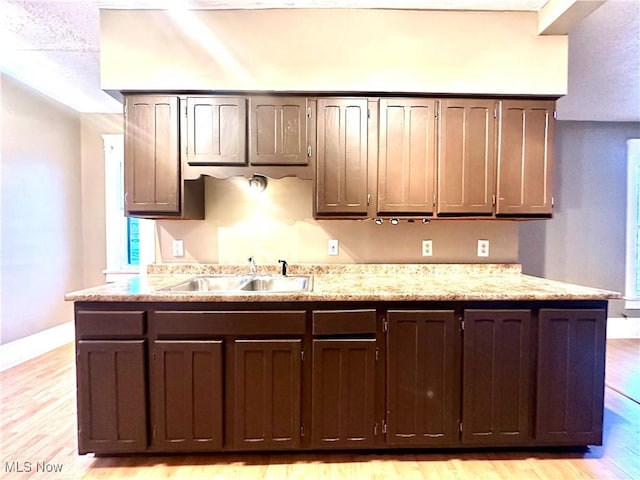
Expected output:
{"points": [[91, 324], [344, 322], [177, 324]]}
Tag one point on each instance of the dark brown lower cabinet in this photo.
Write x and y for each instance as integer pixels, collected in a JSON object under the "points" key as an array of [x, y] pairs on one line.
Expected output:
{"points": [[343, 393], [571, 361], [112, 402], [267, 392], [187, 397], [497, 377], [423, 377]]}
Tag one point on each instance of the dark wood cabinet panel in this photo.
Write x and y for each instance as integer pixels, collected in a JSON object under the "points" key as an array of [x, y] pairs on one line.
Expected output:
{"points": [[112, 403], [406, 159], [216, 130], [423, 377], [152, 154], [466, 156], [267, 394], [570, 387], [343, 392], [341, 173], [187, 406], [497, 377], [278, 131], [525, 158]]}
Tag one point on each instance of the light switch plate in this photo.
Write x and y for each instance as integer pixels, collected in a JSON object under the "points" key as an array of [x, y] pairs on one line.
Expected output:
{"points": [[178, 248], [333, 247]]}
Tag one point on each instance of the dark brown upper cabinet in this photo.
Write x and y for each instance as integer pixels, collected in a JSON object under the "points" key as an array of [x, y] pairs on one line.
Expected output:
{"points": [[341, 174], [406, 158], [278, 131], [466, 157], [216, 131], [152, 174], [525, 159]]}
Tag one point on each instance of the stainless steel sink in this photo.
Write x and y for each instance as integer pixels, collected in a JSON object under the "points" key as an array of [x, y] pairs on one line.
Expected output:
{"points": [[216, 283], [299, 283], [238, 284]]}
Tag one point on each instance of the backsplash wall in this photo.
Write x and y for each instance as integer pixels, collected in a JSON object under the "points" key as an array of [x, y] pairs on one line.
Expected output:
{"points": [[278, 223]]}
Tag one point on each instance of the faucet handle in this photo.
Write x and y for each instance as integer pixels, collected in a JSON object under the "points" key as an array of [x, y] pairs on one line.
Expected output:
{"points": [[284, 267]]}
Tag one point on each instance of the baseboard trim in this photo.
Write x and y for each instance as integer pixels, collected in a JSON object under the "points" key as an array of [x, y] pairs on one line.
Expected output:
{"points": [[32, 346], [623, 327]]}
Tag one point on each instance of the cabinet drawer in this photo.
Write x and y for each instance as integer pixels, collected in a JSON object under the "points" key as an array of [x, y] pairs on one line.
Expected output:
{"points": [[344, 322], [177, 324], [110, 324]]}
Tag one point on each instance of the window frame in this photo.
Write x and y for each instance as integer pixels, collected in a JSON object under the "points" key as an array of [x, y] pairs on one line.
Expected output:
{"points": [[116, 224], [632, 292]]}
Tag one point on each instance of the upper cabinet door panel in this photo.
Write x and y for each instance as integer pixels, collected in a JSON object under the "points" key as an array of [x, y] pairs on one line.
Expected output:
{"points": [[152, 156], [341, 177], [466, 156], [526, 158], [278, 131], [216, 131], [406, 165]]}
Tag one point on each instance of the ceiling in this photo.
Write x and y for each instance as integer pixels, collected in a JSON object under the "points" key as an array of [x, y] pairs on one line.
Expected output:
{"points": [[53, 45]]}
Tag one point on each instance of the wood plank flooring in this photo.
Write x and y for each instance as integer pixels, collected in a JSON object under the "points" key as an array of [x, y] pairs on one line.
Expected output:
{"points": [[38, 433]]}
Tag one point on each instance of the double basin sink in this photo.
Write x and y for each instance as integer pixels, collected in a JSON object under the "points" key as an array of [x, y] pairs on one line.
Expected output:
{"points": [[235, 284]]}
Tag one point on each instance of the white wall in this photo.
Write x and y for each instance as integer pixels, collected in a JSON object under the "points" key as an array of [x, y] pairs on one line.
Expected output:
{"points": [[41, 257], [331, 50]]}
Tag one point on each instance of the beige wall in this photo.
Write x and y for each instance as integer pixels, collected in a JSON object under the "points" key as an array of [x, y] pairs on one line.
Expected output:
{"points": [[279, 224], [93, 126], [41, 256], [331, 50]]}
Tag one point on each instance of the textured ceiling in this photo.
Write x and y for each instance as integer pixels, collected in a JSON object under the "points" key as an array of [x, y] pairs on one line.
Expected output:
{"points": [[53, 45]]}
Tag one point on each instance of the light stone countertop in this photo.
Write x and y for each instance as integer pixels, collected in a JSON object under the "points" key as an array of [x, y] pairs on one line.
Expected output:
{"points": [[371, 282]]}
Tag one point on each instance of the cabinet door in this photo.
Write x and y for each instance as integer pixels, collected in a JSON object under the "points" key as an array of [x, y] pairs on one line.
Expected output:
{"points": [[216, 131], [341, 177], [343, 393], [278, 131], [187, 395], [406, 160], [423, 378], [112, 403], [152, 155], [571, 363], [466, 157], [497, 377], [267, 391], [525, 158]]}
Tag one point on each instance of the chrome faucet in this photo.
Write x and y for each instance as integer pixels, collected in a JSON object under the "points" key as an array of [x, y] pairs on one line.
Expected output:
{"points": [[253, 268]]}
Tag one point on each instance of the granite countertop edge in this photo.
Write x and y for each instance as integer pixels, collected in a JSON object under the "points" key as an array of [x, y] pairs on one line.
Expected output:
{"points": [[363, 282]]}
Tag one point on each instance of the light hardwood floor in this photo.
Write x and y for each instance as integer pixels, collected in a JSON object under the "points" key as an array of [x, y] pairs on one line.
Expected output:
{"points": [[38, 426]]}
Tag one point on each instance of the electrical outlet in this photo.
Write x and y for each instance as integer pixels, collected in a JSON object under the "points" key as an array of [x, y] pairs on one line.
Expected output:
{"points": [[483, 248], [178, 248], [427, 248], [333, 247]]}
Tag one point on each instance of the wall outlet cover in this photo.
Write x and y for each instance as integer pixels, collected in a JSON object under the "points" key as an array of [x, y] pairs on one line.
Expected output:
{"points": [[178, 248], [483, 248], [427, 248], [333, 247]]}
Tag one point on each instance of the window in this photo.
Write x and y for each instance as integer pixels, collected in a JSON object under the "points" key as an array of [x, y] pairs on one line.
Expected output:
{"points": [[632, 289], [129, 240]]}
